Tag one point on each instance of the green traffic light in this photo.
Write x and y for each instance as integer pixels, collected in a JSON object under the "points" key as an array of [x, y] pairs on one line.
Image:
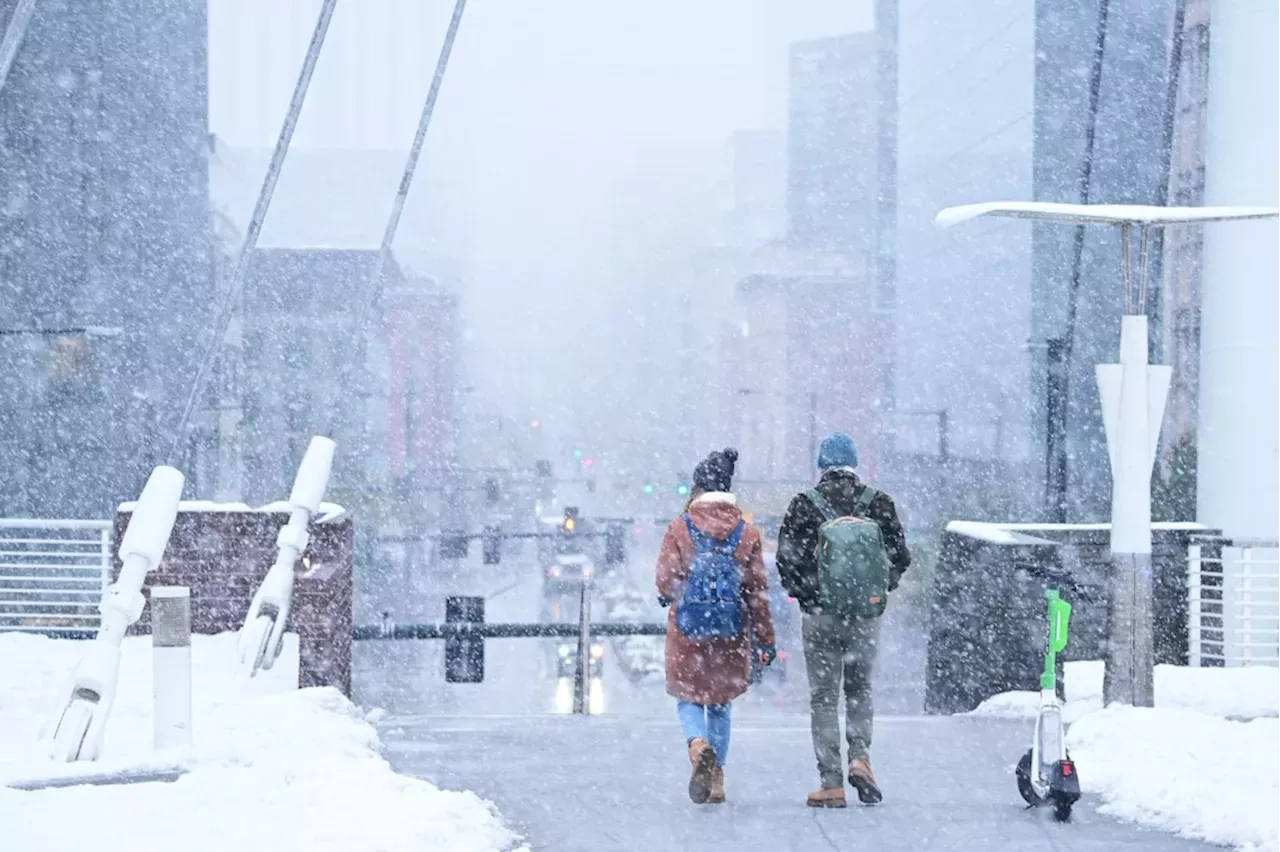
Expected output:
{"points": [[577, 454], [682, 490], [648, 488]]}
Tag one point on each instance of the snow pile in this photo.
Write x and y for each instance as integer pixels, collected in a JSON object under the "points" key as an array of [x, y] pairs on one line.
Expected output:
{"points": [[1187, 772], [1185, 765], [272, 767], [1243, 693]]}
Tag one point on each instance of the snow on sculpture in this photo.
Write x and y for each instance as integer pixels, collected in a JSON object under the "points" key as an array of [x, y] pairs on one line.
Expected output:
{"points": [[262, 635], [84, 708]]}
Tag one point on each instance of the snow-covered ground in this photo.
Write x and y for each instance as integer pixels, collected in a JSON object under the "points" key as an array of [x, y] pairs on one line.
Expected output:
{"points": [[272, 767], [1201, 763]]}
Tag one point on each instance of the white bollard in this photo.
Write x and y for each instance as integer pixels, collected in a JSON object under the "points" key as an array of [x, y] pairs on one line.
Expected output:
{"points": [[171, 668]]}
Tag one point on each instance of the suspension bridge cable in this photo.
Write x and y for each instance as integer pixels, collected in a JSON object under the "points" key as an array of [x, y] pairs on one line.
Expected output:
{"points": [[235, 281]]}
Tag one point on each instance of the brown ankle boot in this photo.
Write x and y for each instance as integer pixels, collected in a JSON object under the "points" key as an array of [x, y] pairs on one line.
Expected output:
{"points": [[864, 781], [716, 796], [827, 797], [703, 758]]}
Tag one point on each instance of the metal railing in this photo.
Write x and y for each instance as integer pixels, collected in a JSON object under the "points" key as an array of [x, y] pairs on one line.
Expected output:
{"points": [[52, 575], [1233, 603]]}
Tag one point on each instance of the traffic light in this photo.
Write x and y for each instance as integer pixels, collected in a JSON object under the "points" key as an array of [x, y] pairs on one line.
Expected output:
{"points": [[648, 488], [615, 544], [492, 546], [683, 489], [453, 544], [570, 523]]}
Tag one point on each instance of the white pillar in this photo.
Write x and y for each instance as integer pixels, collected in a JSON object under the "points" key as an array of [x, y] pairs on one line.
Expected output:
{"points": [[171, 667], [1133, 395], [1239, 408]]}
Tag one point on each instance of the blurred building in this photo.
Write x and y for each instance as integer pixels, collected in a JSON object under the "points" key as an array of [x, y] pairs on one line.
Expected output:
{"points": [[1184, 247], [421, 322], [393, 420], [832, 143], [1081, 303], [106, 267], [994, 104], [965, 109], [810, 350]]}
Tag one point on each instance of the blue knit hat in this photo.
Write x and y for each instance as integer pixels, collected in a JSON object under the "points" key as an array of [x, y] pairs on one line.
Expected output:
{"points": [[837, 450]]}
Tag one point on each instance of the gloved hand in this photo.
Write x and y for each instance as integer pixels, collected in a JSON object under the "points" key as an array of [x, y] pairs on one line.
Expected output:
{"points": [[664, 601], [895, 577], [767, 653]]}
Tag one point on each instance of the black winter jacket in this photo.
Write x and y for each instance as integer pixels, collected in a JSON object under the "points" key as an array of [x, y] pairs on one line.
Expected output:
{"points": [[798, 537]]}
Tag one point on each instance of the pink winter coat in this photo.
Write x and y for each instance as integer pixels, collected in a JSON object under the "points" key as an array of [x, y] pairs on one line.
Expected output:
{"points": [[713, 671]]}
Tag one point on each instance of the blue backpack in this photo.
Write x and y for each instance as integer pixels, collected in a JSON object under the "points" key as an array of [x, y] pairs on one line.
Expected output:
{"points": [[711, 607]]}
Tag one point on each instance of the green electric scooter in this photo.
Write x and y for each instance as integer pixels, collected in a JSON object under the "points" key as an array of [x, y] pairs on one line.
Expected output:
{"points": [[1046, 774]]}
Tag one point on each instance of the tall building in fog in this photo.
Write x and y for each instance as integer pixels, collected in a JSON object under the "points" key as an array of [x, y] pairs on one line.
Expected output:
{"points": [[105, 248], [831, 151], [1184, 247], [993, 104], [966, 100], [807, 352]]}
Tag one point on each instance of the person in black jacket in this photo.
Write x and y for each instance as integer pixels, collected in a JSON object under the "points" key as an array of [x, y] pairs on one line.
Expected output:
{"points": [[838, 649]]}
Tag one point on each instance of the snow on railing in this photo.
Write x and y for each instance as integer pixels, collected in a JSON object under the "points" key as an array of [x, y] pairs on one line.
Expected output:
{"points": [[1233, 603], [52, 574]]}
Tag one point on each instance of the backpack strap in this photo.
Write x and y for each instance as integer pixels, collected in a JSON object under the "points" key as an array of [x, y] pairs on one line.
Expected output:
{"points": [[735, 537], [695, 534], [823, 505], [863, 504]]}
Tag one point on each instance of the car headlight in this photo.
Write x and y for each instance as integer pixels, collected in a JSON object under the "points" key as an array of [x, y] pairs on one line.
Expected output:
{"points": [[566, 650], [587, 570], [597, 651]]}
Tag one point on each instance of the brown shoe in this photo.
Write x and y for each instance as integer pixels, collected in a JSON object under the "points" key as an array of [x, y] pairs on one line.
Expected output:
{"points": [[827, 797], [703, 758], [864, 781], [716, 796]]}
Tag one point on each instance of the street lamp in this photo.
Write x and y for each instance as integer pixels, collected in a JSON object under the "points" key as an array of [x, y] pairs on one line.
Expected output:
{"points": [[1133, 395]]}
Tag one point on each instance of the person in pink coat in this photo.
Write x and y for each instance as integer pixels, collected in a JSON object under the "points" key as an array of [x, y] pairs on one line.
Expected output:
{"points": [[705, 675]]}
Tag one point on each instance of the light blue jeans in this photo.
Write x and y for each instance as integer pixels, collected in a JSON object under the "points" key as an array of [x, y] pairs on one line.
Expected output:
{"points": [[709, 722]]}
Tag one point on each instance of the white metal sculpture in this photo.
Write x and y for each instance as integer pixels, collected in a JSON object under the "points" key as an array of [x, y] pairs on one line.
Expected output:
{"points": [[262, 635], [1133, 395], [81, 717]]}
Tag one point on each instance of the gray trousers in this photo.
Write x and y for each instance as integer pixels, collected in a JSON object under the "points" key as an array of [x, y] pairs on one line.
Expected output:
{"points": [[837, 649]]}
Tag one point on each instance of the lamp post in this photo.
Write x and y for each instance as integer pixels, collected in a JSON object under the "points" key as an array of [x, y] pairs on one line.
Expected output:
{"points": [[1133, 395]]}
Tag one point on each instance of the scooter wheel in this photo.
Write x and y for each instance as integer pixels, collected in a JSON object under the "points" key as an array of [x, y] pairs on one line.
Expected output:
{"points": [[1023, 775], [1062, 810]]}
